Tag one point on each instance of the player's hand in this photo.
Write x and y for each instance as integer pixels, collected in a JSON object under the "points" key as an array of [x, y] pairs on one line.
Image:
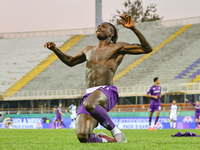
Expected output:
{"points": [[64, 115], [156, 97], [186, 100], [50, 45], [127, 21]]}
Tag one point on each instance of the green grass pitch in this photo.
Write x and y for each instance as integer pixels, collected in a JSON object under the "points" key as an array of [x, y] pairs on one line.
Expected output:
{"points": [[65, 139]]}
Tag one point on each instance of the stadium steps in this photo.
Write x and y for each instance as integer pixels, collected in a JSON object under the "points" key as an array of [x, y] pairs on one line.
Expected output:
{"points": [[58, 76], [134, 64], [40, 67], [167, 62], [19, 56]]}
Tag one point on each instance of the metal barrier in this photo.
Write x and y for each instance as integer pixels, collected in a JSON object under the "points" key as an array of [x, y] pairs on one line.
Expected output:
{"points": [[75, 93], [118, 109], [190, 88], [86, 31]]}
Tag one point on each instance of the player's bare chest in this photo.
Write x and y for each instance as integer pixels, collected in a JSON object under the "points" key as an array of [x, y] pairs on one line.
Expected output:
{"points": [[96, 55]]}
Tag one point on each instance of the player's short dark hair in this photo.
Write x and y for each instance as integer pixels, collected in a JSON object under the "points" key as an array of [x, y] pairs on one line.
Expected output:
{"points": [[155, 79], [115, 36], [10, 117]]}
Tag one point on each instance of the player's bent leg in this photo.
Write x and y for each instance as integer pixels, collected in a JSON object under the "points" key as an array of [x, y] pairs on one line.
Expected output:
{"points": [[84, 127], [96, 105]]}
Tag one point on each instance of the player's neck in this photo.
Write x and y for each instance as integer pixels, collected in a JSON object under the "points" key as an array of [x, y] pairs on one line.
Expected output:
{"points": [[156, 84], [103, 43]]}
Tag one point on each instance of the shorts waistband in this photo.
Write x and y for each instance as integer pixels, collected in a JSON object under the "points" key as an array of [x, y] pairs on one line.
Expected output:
{"points": [[90, 90]]}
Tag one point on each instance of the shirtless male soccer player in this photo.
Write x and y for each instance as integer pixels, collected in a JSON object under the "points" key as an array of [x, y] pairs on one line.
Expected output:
{"points": [[102, 62]]}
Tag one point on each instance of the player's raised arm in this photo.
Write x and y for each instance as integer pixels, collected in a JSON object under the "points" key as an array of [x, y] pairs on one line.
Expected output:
{"points": [[190, 102], [68, 60], [142, 48]]}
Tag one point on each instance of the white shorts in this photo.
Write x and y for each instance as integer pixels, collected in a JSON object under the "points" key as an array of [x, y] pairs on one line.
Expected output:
{"points": [[7, 121], [173, 117], [73, 116]]}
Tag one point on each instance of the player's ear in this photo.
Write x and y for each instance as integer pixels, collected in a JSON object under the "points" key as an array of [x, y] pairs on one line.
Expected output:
{"points": [[111, 34]]}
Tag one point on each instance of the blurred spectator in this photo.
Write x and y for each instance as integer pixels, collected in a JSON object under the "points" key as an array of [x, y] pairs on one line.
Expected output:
{"points": [[47, 121], [44, 119]]}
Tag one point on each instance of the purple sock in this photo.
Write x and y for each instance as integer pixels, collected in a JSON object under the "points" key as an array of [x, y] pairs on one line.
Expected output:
{"points": [[63, 124], [156, 119], [150, 121], [101, 115], [55, 125], [197, 123], [94, 139]]}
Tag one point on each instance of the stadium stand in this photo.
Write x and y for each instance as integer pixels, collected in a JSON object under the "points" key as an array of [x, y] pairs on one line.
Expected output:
{"points": [[174, 47], [19, 56], [40, 67], [168, 62], [58, 76]]}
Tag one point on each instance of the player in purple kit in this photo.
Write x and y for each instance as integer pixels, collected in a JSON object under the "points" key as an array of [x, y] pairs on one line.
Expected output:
{"points": [[102, 61], [155, 104], [197, 112], [58, 116]]}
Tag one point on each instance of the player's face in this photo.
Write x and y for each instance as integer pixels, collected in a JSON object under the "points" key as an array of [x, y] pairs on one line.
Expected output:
{"points": [[10, 119], [197, 102], [158, 81], [174, 102], [103, 31], [60, 105]]}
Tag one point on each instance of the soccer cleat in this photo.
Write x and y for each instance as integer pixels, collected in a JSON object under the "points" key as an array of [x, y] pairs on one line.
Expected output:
{"points": [[120, 138], [154, 128], [197, 128], [150, 129], [103, 135]]}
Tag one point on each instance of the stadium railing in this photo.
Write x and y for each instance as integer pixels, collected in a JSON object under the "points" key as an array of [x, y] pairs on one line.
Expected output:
{"points": [[192, 88], [75, 93], [86, 31], [117, 108]]}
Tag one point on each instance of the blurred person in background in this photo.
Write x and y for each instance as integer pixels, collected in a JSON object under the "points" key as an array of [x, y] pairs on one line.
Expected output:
{"points": [[155, 105], [197, 112], [44, 119], [7, 122], [173, 111]]}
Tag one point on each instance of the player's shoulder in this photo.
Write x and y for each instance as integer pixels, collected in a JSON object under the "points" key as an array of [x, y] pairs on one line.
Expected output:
{"points": [[153, 87], [87, 48], [121, 44]]}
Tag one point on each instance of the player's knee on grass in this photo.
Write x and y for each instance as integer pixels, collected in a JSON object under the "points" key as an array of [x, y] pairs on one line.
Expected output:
{"points": [[82, 137]]}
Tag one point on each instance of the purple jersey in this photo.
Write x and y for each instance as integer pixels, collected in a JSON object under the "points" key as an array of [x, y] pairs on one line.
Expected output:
{"points": [[197, 107], [155, 91], [57, 112]]}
